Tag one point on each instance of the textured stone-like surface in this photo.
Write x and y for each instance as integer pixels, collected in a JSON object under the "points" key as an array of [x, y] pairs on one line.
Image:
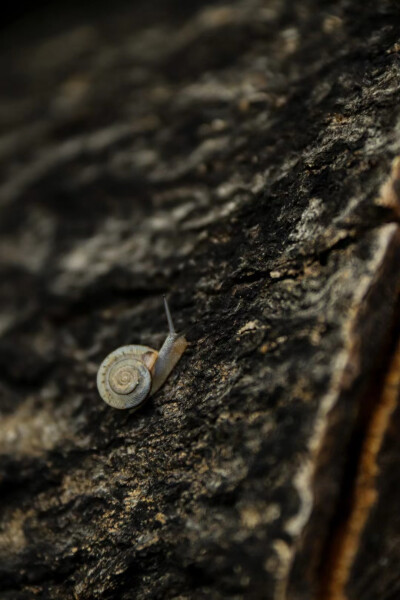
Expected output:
{"points": [[231, 156]]}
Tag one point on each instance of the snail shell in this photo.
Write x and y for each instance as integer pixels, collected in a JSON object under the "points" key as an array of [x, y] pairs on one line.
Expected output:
{"points": [[124, 379], [130, 374]]}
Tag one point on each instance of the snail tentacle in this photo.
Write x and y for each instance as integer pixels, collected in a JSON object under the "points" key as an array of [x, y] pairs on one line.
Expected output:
{"points": [[169, 354]]}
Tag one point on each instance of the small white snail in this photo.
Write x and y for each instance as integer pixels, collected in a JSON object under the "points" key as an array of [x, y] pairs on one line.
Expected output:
{"points": [[130, 374]]}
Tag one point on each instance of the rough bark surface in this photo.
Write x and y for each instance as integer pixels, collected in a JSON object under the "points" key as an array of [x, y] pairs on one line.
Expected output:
{"points": [[238, 157]]}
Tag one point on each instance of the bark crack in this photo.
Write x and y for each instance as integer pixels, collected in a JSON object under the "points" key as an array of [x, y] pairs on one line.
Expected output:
{"points": [[359, 492]]}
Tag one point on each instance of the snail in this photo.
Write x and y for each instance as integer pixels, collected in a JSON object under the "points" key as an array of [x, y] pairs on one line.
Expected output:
{"points": [[130, 374]]}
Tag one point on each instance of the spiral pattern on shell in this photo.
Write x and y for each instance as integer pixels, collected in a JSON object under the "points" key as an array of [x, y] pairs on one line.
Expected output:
{"points": [[123, 380], [123, 376]]}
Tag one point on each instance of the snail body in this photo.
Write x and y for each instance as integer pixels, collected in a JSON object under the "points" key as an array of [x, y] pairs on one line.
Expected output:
{"points": [[130, 374]]}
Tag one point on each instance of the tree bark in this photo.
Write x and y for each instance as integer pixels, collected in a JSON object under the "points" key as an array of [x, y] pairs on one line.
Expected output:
{"points": [[240, 158]]}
